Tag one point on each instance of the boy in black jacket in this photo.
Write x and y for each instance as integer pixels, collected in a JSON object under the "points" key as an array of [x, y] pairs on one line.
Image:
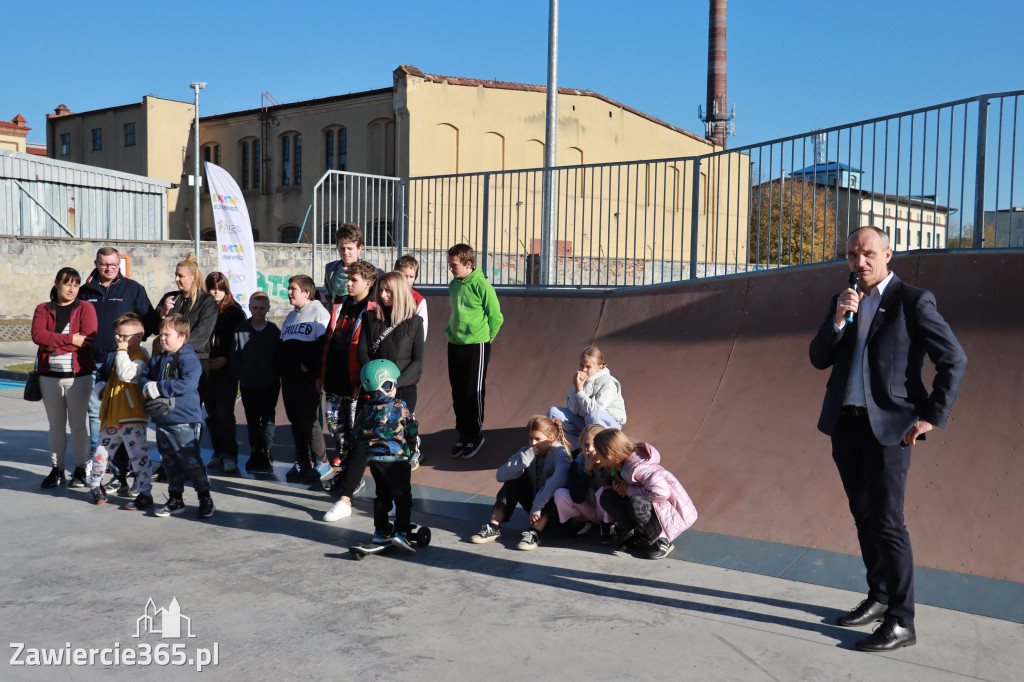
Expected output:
{"points": [[253, 356]]}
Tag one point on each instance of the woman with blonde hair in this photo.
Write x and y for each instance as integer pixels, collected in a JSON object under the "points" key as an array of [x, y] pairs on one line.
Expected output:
{"points": [[198, 306], [393, 331]]}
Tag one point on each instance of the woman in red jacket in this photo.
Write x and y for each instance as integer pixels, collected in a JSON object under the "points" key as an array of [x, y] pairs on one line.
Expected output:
{"points": [[64, 328]]}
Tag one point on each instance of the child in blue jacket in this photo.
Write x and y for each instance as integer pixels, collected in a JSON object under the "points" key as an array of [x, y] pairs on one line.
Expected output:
{"points": [[173, 374]]}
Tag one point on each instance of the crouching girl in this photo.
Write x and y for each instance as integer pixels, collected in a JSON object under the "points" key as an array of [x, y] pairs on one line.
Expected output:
{"points": [[530, 478], [647, 502]]}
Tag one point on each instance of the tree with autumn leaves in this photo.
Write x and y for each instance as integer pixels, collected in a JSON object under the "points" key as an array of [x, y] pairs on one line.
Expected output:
{"points": [[792, 222]]}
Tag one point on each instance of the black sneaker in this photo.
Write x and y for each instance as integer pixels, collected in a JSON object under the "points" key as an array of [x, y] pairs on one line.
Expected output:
{"points": [[117, 487], [295, 473], [260, 462], [472, 447], [607, 533], [53, 479], [660, 549], [140, 503], [173, 507], [206, 507], [628, 541], [78, 478], [457, 449], [99, 495]]}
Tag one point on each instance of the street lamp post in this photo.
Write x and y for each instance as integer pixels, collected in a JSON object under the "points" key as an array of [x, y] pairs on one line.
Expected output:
{"points": [[196, 179], [549, 225]]}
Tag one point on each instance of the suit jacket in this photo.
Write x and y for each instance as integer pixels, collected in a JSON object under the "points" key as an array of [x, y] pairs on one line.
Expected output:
{"points": [[905, 328]]}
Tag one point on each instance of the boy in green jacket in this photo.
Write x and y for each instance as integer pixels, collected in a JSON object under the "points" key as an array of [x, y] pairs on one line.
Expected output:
{"points": [[475, 321]]}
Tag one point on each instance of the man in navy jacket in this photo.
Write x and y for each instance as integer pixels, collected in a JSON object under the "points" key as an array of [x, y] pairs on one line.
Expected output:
{"points": [[876, 407], [111, 295]]}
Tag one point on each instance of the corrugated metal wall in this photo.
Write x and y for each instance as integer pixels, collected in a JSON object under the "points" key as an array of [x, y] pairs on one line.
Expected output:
{"points": [[41, 197]]}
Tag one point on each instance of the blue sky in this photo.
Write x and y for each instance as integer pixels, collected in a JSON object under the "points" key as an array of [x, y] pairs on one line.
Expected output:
{"points": [[793, 65]]}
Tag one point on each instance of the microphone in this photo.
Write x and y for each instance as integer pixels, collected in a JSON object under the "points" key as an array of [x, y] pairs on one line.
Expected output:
{"points": [[855, 285]]}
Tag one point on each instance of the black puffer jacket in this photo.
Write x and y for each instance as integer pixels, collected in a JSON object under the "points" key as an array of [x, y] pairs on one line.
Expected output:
{"points": [[403, 346]]}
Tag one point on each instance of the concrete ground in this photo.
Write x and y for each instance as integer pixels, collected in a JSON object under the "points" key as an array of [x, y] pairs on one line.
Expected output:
{"points": [[275, 592]]}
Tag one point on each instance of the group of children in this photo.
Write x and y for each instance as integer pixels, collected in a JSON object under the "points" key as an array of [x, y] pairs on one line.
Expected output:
{"points": [[608, 482]]}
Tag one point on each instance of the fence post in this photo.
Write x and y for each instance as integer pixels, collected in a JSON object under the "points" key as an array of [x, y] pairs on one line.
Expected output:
{"points": [[979, 177], [318, 188], [400, 218], [695, 219], [486, 246]]}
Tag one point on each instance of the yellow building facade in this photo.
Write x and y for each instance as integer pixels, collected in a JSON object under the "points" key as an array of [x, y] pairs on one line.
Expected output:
{"points": [[430, 125], [150, 138]]}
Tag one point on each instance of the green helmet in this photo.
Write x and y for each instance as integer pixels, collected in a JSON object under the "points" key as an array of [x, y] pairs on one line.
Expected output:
{"points": [[376, 373]]}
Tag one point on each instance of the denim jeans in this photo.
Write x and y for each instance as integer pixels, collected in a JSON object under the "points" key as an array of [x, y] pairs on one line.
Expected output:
{"points": [[179, 450], [572, 423]]}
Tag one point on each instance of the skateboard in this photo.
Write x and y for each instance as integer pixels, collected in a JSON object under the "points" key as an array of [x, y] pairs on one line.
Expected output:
{"points": [[419, 536]]}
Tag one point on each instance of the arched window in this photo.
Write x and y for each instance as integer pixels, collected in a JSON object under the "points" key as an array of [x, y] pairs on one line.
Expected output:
{"points": [[494, 151], [381, 142], [288, 234], [535, 153], [291, 159], [249, 163], [446, 148], [336, 148], [211, 153]]}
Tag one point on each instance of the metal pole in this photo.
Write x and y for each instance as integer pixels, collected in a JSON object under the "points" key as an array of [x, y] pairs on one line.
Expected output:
{"points": [[196, 179], [550, 151], [977, 238]]}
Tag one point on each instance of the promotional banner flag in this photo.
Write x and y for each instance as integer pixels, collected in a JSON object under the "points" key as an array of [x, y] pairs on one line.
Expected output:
{"points": [[236, 253]]}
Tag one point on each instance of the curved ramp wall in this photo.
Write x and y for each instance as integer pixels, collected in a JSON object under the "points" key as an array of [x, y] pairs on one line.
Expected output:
{"points": [[715, 373]]}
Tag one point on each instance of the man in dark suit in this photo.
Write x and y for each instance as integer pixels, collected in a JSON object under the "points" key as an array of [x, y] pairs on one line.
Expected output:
{"points": [[876, 407]]}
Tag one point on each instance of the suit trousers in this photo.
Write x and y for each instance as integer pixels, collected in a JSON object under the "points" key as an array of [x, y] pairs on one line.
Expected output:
{"points": [[874, 477]]}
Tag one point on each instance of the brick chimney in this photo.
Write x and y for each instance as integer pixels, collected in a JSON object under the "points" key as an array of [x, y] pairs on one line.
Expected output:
{"points": [[717, 116], [62, 110]]}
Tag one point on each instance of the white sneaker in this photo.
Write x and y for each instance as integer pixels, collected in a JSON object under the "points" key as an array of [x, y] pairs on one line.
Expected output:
{"points": [[339, 511]]}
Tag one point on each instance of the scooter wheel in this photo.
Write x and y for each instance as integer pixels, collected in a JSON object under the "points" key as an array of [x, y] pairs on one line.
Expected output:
{"points": [[423, 536]]}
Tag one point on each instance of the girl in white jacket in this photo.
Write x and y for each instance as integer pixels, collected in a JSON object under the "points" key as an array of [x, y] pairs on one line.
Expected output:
{"points": [[595, 397]]}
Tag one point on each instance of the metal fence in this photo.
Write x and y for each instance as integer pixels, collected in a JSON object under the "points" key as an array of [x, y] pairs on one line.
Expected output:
{"points": [[934, 178], [370, 201]]}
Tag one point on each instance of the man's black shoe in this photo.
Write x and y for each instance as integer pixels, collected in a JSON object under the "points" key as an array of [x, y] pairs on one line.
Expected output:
{"points": [[888, 636], [868, 611]]}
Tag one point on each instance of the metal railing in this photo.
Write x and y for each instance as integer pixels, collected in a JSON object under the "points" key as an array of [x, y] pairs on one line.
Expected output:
{"points": [[938, 177], [373, 202]]}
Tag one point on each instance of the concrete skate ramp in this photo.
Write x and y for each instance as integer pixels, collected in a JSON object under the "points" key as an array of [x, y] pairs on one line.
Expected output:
{"points": [[716, 375]]}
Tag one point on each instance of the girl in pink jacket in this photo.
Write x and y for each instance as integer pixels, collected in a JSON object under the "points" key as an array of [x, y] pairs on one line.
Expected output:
{"points": [[645, 499]]}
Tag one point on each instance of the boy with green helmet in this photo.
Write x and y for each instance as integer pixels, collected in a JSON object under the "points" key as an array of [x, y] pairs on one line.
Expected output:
{"points": [[383, 430]]}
